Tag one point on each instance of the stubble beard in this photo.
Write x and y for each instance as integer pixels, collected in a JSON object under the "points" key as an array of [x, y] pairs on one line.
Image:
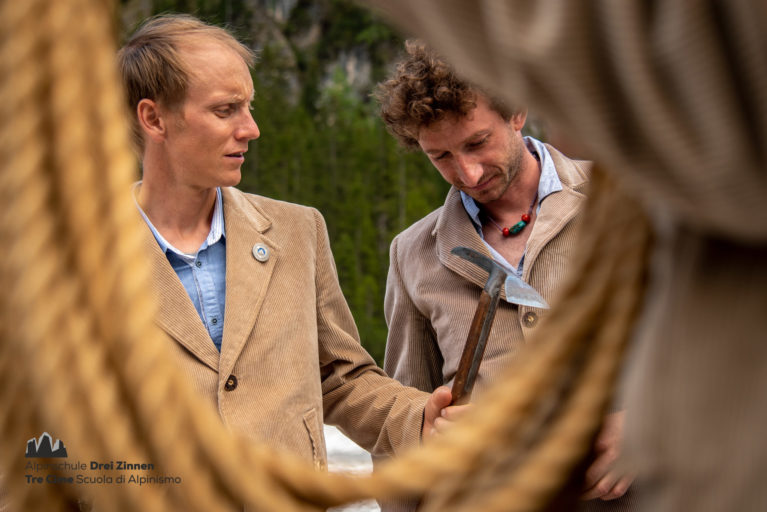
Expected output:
{"points": [[509, 175]]}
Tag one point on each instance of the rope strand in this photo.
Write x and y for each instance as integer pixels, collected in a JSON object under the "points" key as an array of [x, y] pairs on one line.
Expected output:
{"points": [[80, 354]]}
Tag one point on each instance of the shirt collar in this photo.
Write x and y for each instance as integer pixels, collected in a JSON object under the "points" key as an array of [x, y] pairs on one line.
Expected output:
{"points": [[217, 229], [548, 184]]}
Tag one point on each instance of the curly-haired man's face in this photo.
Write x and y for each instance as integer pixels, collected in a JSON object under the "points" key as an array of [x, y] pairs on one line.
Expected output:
{"points": [[479, 153]]}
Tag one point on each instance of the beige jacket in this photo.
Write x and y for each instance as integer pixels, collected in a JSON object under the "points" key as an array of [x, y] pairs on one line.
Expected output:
{"points": [[291, 357], [431, 294]]}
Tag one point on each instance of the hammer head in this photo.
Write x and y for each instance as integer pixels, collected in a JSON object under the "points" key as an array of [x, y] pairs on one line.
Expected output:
{"points": [[517, 291]]}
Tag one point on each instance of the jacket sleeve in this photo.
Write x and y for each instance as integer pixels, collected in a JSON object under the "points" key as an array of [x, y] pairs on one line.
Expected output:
{"points": [[412, 353], [377, 412]]}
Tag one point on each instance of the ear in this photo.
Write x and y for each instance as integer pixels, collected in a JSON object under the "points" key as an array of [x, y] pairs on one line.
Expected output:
{"points": [[518, 119], [151, 119]]}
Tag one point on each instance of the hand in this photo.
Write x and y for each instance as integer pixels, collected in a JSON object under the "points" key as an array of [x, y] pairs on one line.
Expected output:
{"points": [[438, 414], [603, 481]]}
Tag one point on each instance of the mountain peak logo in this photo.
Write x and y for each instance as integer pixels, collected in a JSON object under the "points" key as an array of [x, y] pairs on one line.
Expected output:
{"points": [[45, 447]]}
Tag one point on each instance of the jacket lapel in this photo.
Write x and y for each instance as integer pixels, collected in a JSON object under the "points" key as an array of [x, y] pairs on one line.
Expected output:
{"points": [[557, 209], [247, 279], [176, 314], [453, 229]]}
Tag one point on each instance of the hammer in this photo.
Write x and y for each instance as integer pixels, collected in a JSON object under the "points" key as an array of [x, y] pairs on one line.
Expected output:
{"points": [[517, 292]]}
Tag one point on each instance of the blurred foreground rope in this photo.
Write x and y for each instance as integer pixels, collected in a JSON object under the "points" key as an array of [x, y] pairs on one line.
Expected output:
{"points": [[80, 355]]}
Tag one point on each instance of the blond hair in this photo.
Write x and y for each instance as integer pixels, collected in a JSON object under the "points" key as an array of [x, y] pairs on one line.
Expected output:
{"points": [[152, 65]]}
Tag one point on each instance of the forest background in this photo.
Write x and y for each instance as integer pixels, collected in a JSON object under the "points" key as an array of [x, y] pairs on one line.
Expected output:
{"points": [[322, 143]]}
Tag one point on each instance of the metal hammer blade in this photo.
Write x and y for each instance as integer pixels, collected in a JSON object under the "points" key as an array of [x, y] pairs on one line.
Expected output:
{"points": [[484, 315], [519, 292]]}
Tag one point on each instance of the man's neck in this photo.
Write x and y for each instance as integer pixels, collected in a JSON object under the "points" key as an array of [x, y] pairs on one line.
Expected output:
{"points": [[519, 196], [180, 213], [507, 211]]}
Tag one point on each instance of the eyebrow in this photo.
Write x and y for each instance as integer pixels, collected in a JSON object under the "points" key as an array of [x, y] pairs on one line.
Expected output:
{"points": [[233, 99], [479, 133], [238, 98]]}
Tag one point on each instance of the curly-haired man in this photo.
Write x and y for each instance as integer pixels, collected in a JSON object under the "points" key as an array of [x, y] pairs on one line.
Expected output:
{"points": [[512, 198]]}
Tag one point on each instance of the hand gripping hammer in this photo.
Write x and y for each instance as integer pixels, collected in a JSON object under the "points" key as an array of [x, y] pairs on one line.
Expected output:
{"points": [[517, 292]]}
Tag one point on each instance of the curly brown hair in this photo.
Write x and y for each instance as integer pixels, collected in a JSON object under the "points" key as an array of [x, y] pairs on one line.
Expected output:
{"points": [[425, 89]]}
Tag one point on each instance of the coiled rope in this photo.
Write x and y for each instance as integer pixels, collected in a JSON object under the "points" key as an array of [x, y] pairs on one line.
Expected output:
{"points": [[80, 354]]}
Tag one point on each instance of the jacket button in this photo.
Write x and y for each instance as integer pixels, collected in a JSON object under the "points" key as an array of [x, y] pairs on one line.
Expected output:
{"points": [[529, 319], [231, 383]]}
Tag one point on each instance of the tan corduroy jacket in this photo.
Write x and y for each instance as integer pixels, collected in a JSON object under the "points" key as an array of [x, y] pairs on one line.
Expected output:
{"points": [[431, 294], [291, 356]]}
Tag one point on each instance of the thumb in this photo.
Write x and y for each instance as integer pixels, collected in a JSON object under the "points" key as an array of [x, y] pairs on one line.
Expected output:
{"points": [[439, 399], [443, 397]]}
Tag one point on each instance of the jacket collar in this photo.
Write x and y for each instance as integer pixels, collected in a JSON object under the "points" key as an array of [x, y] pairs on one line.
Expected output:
{"points": [[454, 228], [247, 280]]}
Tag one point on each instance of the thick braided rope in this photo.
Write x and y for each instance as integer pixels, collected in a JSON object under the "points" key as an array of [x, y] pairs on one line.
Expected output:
{"points": [[61, 287], [12, 391], [30, 189], [83, 283], [75, 293]]}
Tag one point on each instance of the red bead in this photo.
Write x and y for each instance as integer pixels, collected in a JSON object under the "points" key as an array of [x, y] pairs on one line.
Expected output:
{"points": [[505, 231], [525, 217]]}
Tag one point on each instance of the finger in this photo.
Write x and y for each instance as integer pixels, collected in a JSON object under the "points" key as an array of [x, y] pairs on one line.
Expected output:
{"points": [[598, 470], [619, 489], [440, 425], [443, 395], [601, 488], [611, 432], [454, 412], [439, 399]]}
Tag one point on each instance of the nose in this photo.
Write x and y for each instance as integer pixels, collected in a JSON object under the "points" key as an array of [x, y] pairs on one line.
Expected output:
{"points": [[248, 130], [469, 170]]}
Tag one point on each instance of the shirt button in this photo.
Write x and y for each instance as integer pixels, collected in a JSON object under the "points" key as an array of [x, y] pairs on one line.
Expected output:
{"points": [[529, 319], [198, 263], [214, 321], [231, 383]]}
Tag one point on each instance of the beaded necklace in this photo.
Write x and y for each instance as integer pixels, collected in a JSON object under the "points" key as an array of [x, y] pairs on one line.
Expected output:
{"points": [[519, 226]]}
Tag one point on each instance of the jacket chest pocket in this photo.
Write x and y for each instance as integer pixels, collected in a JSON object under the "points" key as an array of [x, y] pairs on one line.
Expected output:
{"points": [[316, 437]]}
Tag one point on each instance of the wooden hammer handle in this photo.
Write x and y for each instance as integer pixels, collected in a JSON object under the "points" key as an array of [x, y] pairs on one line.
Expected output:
{"points": [[461, 386]]}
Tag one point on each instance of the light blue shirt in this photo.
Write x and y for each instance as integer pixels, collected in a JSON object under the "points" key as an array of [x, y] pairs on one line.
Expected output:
{"points": [[203, 273], [547, 185]]}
